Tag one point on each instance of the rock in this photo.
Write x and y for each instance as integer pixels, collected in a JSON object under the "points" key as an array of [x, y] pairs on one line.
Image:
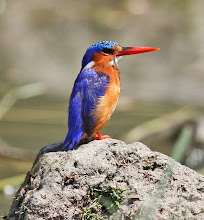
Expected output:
{"points": [[108, 179]]}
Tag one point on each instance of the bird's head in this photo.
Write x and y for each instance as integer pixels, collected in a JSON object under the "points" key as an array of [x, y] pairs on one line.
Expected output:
{"points": [[108, 53]]}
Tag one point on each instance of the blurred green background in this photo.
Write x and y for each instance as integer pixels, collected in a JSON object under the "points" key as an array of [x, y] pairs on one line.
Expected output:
{"points": [[41, 46]]}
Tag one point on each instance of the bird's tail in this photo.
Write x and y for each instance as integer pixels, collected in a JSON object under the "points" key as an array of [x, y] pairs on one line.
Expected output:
{"points": [[71, 140]]}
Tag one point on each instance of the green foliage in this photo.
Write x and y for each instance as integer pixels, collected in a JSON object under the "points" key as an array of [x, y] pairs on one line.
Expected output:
{"points": [[100, 201], [183, 143], [89, 214], [111, 199]]}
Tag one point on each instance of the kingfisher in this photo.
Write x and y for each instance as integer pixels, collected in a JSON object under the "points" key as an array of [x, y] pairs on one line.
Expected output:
{"points": [[96, 91]]}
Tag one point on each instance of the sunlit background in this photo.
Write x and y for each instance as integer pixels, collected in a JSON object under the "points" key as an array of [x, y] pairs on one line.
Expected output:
{"points": [[41, 47]]}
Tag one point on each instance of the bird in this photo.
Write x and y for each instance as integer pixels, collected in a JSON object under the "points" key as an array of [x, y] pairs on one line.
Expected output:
{"points": [[96, 91]]}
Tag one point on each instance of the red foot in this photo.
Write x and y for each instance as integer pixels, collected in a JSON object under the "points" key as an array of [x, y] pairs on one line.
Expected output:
{"points": [[98, 136]]}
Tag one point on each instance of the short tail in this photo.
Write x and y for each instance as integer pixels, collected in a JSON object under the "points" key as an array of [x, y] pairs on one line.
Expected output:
{"points": [[71, 140]]}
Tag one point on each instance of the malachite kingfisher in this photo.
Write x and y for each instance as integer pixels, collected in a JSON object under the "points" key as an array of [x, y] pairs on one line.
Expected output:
{"points": [[96, 91]]}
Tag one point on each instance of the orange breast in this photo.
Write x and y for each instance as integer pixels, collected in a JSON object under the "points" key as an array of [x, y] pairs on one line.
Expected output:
{"points": [[107, 103]]}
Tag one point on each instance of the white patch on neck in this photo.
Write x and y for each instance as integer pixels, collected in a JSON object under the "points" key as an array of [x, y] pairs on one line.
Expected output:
{"points": [[88, 65], [114, 62]]}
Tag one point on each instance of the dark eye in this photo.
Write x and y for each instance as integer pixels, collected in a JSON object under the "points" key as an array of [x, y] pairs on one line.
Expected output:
{"points": [[108, 51]]}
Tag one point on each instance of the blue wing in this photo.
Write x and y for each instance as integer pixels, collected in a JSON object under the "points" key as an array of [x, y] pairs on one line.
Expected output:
{"points": [[88, 88]]}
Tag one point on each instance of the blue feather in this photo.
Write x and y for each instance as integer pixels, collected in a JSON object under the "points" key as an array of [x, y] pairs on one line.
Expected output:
{"points": [[88, 88]]}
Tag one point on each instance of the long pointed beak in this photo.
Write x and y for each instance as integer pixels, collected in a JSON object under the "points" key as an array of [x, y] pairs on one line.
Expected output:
{"points": [[134, 50]]}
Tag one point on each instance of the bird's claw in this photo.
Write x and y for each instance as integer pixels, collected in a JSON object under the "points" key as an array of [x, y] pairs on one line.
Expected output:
{"points": [[98, 136]]}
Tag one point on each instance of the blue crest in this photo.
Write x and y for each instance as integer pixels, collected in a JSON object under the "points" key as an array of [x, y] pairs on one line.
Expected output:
{"points": [[96, 48]]}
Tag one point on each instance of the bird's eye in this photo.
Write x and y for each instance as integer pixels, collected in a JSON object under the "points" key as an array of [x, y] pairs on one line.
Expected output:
{"points": [[108, 51]]}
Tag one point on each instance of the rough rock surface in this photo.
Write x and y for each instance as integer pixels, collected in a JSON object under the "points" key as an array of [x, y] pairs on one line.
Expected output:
{"points": [[74, 185]]}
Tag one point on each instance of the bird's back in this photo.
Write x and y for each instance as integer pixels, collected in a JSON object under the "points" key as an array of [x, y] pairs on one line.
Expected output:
{"points": [[88, 88]]}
